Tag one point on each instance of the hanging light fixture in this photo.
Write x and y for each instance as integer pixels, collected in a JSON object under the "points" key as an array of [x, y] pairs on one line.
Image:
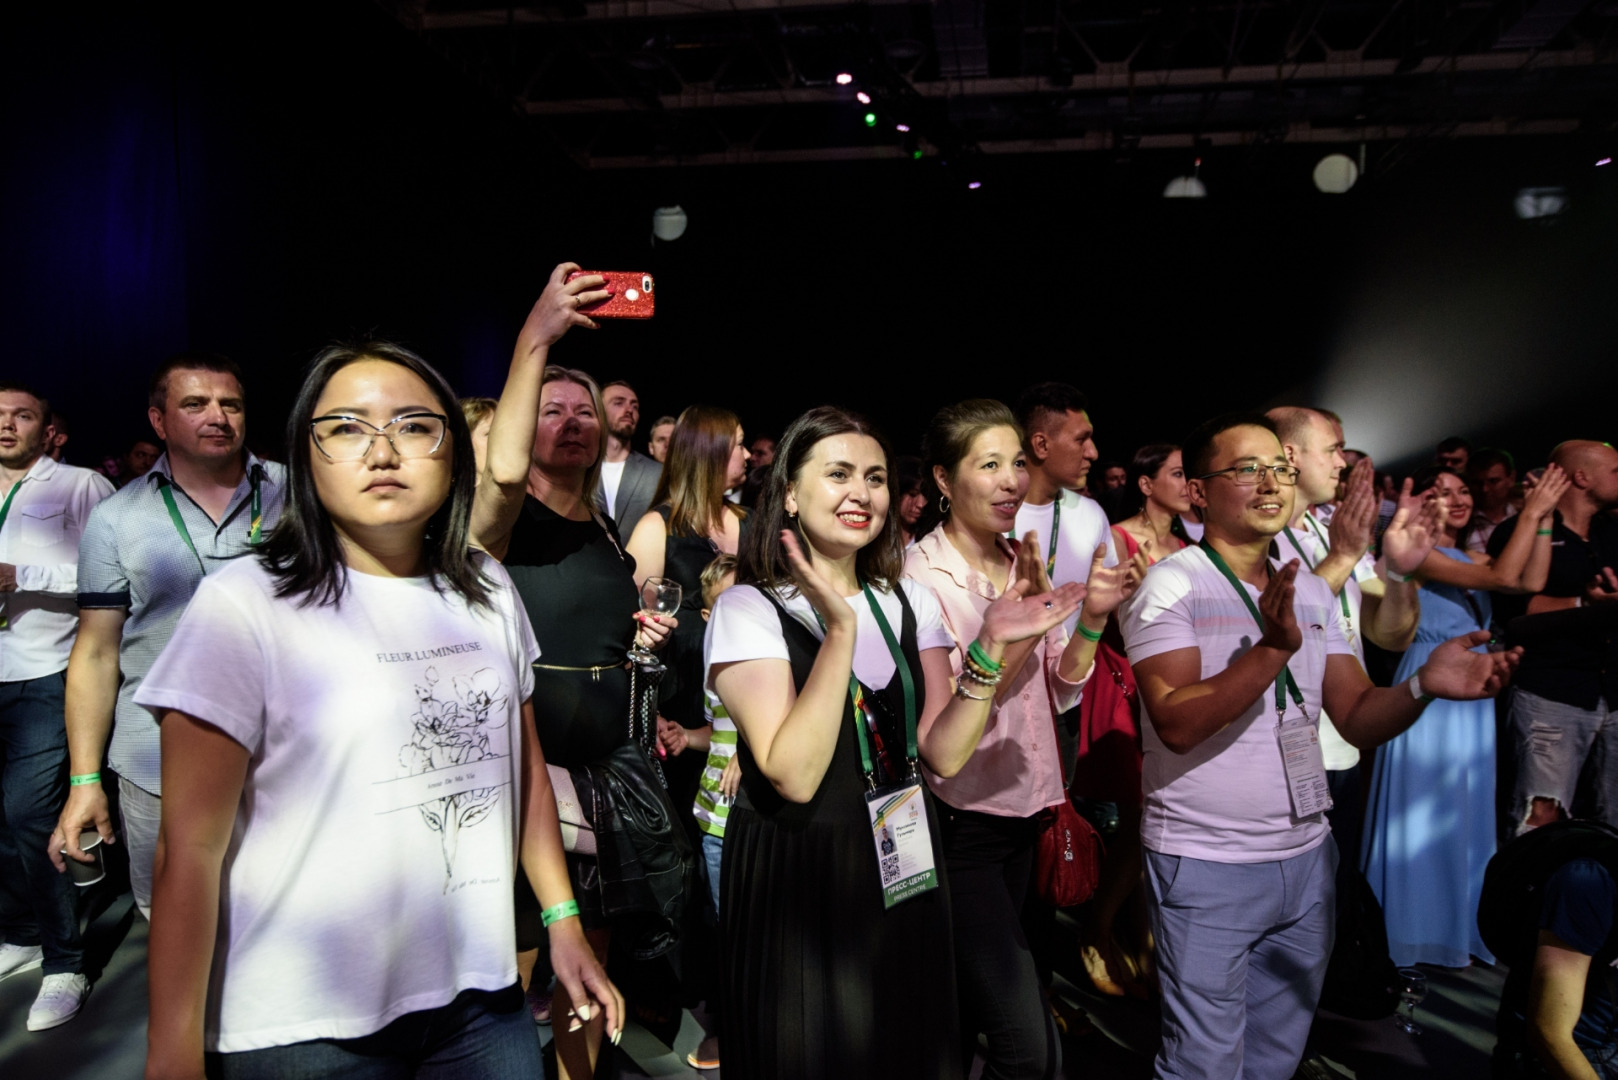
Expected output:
{"points": [[1335, 174], [1187, 187], [668, 223]]}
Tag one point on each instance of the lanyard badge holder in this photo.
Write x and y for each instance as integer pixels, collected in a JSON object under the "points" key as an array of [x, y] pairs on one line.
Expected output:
{"points": [[5, 512], [898, 809], [1298, 738]]}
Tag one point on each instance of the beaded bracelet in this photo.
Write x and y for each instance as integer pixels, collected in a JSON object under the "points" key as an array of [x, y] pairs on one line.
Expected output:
{"points": [[972, 673], [566, 910]]}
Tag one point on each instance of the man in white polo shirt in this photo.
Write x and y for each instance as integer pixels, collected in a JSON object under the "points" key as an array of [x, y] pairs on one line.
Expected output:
{"points": [[1236, 657], [43, 508]]}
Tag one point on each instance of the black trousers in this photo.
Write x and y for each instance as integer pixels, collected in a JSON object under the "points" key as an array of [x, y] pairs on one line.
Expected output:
{"points": [[990, 862]]}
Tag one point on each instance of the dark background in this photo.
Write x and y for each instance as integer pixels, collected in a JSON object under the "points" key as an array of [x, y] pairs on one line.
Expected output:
{"points": [[262, 181]]}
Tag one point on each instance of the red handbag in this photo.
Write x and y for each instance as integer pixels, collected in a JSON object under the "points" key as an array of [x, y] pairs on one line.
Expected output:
{"points": [[1067, 860]]}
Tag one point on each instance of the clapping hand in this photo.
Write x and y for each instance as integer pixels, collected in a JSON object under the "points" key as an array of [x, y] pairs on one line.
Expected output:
{"points": [[1604, 589], [1352, 525], [1455, 672], [1541, 501], [1275, 604], [1015, 617], [832, 606], [1031, 565], [1110, 586], [1413, 532]]}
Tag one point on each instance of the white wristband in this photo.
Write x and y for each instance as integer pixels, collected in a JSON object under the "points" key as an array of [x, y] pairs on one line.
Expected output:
{"points": [[1394, 576], [1414, 683]]}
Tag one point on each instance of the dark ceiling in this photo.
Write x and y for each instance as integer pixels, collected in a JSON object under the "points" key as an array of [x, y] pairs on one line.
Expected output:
{"points": [[638, 83]]}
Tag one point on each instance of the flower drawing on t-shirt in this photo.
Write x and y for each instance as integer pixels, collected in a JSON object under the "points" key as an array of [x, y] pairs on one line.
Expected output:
{"points": [[452, 731]]}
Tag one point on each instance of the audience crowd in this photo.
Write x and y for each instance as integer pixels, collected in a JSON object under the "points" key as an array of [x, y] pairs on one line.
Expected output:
{"points": [[814, 733]]}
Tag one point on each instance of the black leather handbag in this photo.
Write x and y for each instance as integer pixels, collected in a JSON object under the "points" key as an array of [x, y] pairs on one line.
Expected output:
{"points": [[646, 862]]}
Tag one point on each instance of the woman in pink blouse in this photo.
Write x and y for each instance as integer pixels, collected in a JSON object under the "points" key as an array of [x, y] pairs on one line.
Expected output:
{"points": [[977, 479]]}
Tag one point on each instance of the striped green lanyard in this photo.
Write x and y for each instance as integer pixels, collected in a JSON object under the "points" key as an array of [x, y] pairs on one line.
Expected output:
{"points": [[5, 606], [856, 693]]}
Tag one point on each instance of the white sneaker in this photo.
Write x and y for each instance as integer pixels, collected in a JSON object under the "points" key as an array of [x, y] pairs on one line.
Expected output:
{"points": [[15, 958], [60, 999]]}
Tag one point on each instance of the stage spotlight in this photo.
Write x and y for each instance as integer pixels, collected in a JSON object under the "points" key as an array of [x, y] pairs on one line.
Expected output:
{"points": [[844, 78], [974, 185], [1335, 174], [1604, 161], [901, 127], [870, 119], [1540, 202], [668, 223], [862, 97]]}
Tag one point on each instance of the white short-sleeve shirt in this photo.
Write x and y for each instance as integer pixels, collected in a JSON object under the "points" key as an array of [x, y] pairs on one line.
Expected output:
{"points": [[1313, 546], [1082, 528], [1225, 800], [744, 626], [371, 867]]}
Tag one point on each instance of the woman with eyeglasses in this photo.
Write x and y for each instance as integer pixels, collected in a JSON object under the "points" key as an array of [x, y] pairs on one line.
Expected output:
{"points": [[536, 513], [352, 781], [1426, 865], [991, 808]]}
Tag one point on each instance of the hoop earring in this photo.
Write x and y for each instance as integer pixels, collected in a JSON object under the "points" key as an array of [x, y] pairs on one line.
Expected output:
{"points": [[792, 515], [943, 505]]}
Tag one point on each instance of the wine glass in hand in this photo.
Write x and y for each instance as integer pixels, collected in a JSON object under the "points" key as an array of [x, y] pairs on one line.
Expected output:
{"points": [[658, 596]]}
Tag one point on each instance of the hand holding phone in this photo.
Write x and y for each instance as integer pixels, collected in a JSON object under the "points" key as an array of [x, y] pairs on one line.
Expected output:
{"points": [[631, 295]]}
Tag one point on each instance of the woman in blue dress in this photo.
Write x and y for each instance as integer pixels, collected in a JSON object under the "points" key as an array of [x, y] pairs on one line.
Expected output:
{"points": [[1430, 827]]}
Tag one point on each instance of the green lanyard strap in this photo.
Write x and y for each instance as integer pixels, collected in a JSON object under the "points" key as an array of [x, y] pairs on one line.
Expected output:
{"points": [[1056, 530], [12, 494], [1342, 595], [255, 519], [1284, 683], [856, 692]]}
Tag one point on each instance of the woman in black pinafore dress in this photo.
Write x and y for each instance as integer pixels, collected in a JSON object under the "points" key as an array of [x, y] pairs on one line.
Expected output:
{"points": [[821, 979]]}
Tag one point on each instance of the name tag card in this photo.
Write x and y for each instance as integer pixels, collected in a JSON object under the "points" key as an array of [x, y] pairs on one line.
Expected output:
{"points": [[904, 843], [1306, 768]]}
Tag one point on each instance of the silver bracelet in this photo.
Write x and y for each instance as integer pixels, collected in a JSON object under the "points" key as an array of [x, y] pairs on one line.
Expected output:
{"points": [[961, 692]]}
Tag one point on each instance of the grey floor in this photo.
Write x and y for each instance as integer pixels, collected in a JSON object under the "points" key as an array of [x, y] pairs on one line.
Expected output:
{"points": [[107, 1041]]}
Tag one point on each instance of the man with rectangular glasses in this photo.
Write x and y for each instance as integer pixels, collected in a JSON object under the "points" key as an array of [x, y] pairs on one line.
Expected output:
{"points": [[1236, 654]]}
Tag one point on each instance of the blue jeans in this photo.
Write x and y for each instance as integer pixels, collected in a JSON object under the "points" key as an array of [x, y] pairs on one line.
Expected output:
{"points": [[712, 848], [1242, 951], [1554, 743], [38, 906], [481, 1035]]}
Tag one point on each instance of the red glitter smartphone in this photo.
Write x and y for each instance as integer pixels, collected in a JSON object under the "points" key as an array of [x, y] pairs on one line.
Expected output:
{"points": [[631, 295]]}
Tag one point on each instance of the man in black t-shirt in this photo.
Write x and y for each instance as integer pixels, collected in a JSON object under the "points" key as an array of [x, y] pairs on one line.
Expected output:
{"points": [[1559, 1022], [1562, 709]]}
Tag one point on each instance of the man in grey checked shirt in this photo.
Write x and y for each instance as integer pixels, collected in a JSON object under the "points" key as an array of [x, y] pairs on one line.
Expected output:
{"points": [[144, 552]]}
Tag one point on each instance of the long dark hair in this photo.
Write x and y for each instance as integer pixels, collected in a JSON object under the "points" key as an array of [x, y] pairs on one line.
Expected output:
{"points": [[948, 440], [762, 561], [1146, 464], [304, 554]]}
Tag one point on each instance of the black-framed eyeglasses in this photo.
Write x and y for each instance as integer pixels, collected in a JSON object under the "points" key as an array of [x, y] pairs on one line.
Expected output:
{"points": [[348, 438], [1252, 474]]}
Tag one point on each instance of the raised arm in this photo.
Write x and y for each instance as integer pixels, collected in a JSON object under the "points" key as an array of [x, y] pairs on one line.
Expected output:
{"points": [[1390, 606], [1507, 573], [1186, 710], [1349, 535], [951, 724], [499, 495], [203, 773]]}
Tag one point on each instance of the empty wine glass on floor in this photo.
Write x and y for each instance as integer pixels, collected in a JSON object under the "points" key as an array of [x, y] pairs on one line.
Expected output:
{"points": [[658, 596], [1412, 990]]}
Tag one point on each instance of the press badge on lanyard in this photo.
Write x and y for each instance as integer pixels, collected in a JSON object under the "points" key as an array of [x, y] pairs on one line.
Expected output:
{"points": [[899, 829], [1298, 738]]}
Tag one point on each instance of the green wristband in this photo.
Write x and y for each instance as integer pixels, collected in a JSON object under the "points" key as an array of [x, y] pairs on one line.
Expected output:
{"points": [[86, 778], [981, 658], [1544, 532], [559, 912], [1088, 634]]}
